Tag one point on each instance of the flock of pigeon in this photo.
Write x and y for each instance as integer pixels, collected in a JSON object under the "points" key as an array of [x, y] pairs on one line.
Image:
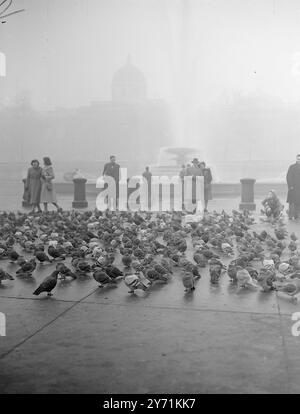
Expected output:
{"points": [[149, 248]]}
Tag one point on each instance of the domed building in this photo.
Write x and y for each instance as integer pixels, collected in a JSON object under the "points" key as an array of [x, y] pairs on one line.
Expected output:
{"points": [[128, 84], [129, 125]]}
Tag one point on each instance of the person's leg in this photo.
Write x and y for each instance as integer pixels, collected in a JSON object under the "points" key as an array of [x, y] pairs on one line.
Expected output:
{"points": [[56, 205], [290, 211], [46, 207], [117, 196], [296, 211], [205, 205], [39, 208]]}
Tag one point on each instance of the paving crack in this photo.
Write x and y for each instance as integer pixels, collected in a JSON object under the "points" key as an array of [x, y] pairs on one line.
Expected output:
{"points": [[46, 325]]}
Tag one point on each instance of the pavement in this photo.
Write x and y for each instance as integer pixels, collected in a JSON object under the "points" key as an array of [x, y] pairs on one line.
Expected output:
{"points": [[90, 340]]}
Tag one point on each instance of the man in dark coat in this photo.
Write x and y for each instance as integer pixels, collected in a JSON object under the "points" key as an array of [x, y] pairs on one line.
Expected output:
{"points": [[194, 170], [112, 169], [207, 183], [148, 176], [293, 182]]}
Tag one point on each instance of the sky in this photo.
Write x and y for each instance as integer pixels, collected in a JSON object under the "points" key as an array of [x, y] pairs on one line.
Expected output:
{"points": [[193, 52]]}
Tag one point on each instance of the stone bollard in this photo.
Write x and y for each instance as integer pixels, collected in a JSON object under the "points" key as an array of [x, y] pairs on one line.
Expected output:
{"points": [[247, 196], [79, 193], [26, 196]]}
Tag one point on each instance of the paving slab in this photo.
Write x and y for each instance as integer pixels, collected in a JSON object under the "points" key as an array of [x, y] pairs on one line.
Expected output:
{"points": [[112, 349], [291, 348], [25, 317]]}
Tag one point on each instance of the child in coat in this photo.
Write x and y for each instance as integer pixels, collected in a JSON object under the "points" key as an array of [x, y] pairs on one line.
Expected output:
{"points": [[272, 206]]}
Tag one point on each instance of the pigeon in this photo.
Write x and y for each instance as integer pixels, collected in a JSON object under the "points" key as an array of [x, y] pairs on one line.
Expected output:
{"points": [[27, 267], [5, 276], [126, 260], [102, 278], [252, 272], [160, 269], [152, 274], [215, 273], [290, 287], [113, 271], [42, 257], [182, 246], [227, 249], [232, 271], [284, 268], [65, 271], [217, 262], [293, 237], [244, 280], [55, 253], [280, 233], [133, 282], [200, 259], [166, 264], [48, 284], [15, 257], [265, 278], [188, 281], [294, 261], [81, 266], [292, 246], [190, 267]]}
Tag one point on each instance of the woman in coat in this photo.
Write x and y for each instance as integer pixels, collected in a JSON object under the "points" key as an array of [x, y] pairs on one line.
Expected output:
{"points": [[207, 183], [33, 185], [48, 194]]}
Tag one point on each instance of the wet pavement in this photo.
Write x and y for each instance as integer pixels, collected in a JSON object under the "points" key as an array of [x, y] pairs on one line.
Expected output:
{"points": [[90, 340]]}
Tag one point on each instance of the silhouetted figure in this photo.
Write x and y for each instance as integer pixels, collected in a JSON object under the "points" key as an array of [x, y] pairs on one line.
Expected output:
{"points": [[48, 194], [293, 182], [206, 172], [33, 185], [148, 175], [182, 172], [112, 169]]}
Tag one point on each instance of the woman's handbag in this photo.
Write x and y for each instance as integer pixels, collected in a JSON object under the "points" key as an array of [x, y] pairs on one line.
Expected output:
{"points": [[26, 195], [49, 186]]}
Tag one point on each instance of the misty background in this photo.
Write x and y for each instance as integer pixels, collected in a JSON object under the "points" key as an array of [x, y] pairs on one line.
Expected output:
{"points": [[90, 78]]}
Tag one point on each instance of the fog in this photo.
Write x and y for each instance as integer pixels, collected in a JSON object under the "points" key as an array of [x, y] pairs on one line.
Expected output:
{"points": [[222, 76]]}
